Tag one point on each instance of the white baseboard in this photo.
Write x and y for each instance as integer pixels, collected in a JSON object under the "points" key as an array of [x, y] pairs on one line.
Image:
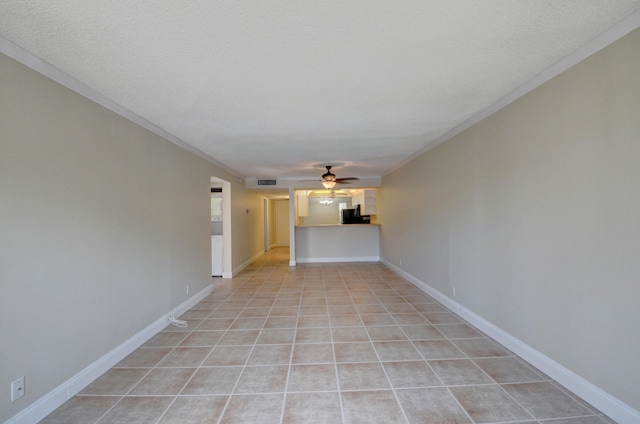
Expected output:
{"points": [[55, 398], [247, 263], [603, 401], [338, 259]]}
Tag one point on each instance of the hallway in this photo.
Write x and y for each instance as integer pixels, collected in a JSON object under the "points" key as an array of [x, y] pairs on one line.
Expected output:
{"points": [[322, 343]]}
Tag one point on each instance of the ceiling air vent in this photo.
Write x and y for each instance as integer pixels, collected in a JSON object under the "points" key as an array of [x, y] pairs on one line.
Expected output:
{"points": [[267, 182]]}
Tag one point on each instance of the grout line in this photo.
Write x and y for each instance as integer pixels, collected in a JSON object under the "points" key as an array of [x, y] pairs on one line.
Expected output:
{"points": [[335, 362], [293, 348], [231, 392], [265, 283], [386, 374]]}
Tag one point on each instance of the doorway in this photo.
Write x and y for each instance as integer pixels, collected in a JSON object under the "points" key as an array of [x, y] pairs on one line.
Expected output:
{"points": [[222, 190]]}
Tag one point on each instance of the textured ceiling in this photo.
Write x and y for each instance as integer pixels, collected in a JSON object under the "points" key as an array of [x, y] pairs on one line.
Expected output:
{"points": [[278, 88]]}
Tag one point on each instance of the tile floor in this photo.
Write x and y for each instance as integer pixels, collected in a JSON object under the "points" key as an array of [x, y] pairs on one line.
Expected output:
{"points": [[322, 343]]}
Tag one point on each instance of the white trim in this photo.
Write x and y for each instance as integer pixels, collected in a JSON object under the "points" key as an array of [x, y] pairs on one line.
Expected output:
{"points": [[28, 59], [603, 401], [617, 31], [246, 263], [55, 398], [339, 259]]}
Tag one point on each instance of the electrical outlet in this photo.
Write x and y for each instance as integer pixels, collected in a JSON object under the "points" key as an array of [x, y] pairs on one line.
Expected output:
{"points": [[17, 388]]}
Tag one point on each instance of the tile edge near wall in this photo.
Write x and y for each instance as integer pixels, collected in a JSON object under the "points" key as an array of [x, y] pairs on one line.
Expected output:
{"points": [[603, 401], [245, 264], [338, 259], [55, 398]]}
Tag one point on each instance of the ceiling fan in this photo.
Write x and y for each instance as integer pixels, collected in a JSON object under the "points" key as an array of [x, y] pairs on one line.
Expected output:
{"points": [[329, 179]]}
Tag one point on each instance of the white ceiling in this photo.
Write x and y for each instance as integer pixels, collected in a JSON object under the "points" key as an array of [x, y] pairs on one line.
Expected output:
{"points": [[279, 88]]}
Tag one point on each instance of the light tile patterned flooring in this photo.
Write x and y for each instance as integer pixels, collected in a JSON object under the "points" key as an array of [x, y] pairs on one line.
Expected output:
{"points": [[322, 343]]}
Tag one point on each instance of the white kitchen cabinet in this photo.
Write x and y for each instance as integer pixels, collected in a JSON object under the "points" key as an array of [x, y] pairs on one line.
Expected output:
{"points": [[303, 204], [358, 199], [370, 203], [367, 199]]}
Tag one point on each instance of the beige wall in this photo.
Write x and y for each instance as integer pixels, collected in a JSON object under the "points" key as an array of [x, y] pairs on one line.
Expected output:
{"points": [[247, 210], [534, 216], [103, 225], [281, 208], [272, 223]]}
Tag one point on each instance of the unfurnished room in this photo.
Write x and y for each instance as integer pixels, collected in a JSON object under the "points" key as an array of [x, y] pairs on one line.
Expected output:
{"points": [[320, 212]]}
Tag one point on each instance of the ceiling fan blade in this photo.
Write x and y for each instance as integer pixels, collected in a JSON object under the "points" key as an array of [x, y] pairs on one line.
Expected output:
{"points": [[330, 177]]}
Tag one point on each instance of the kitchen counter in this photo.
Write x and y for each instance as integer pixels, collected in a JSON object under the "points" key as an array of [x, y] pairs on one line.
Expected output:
{"points": [[337, 243]]}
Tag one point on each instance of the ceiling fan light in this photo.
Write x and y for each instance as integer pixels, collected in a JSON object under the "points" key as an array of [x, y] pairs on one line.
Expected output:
{"points": [[328, 184]]}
